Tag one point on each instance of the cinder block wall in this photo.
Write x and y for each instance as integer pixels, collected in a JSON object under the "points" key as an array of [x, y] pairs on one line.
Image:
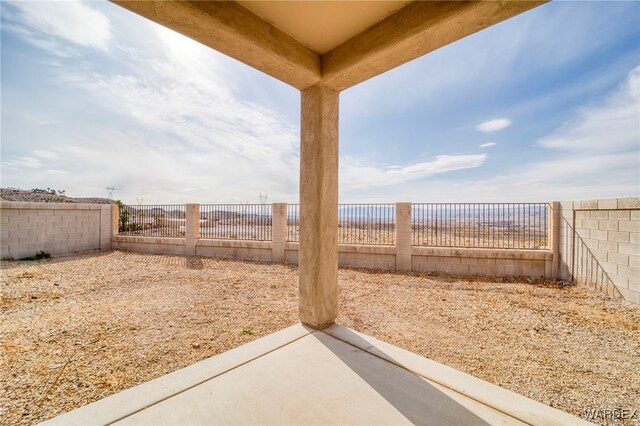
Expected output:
{"points": [[600, 245], [354, 256], [156, 245], [486, 262], [56, 228]]}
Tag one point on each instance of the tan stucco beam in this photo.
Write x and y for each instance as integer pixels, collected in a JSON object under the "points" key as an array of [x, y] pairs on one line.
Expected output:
{"points": [[419, 28], [235, 31]]}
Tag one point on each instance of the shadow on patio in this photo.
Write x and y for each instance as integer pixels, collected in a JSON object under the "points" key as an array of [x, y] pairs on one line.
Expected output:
{"points": [[304, 376]]}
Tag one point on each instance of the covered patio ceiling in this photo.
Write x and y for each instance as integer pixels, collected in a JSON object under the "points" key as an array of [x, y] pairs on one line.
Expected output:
{"points": [[323, 25], [338, 43]]}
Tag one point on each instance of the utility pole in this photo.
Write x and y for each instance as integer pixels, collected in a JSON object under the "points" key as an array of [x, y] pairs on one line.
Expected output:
{"points": [[110, 190]]}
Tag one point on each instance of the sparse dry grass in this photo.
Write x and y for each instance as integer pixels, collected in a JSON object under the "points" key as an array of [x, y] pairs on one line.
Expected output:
{"points": [[80, 328]]}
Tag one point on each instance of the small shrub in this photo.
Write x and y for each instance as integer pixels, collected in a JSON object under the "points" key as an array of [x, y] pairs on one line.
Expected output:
{"points": [[124, 216], [38, 256], [131, 227]]}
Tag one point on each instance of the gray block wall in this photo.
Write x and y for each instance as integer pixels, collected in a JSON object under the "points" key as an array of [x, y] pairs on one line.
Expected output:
{"points": [[56, 228], [600, 245]]}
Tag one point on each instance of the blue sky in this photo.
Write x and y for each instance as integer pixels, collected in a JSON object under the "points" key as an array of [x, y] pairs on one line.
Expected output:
{"points": [[545, 106]]}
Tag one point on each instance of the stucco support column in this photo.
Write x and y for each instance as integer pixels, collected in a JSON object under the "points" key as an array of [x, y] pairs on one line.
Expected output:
{"points": [[192, 228], [403, 236], [318, 255], [554, 238], [279, 231]]}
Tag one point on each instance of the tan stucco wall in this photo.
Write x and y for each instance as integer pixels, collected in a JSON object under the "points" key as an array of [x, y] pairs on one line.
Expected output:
{"points": [[527, 263], [354, 256], [456, 261], [490, 263], [56, 228]]}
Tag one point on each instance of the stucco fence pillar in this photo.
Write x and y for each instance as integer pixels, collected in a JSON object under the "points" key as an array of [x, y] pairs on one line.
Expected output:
{"points": [[279, 231], [403, 237], [115, 220], [553, 227], [192, 228]]}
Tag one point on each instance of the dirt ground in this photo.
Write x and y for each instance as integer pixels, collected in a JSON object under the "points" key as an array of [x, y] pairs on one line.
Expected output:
{"points": [[76, 329]]}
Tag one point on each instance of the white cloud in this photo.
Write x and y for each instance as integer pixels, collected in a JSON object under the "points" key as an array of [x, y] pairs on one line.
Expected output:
{"points": [[567, 178], [355, 174], [19, 162], [51, 45], [71, 21], [45, 154], [537, 43], [58, 172], [487, 145], [494, 125], [179, 131], [594, 155], [613, 125]]}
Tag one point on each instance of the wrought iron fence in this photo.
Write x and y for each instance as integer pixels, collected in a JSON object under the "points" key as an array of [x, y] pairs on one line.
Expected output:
{"points": [[366, 224], [474, 225], [293, 222], [357, 223], [236, 221], [157, 220], [480, 225]]}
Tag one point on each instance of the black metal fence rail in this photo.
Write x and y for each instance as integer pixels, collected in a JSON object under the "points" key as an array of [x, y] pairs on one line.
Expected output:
{"points": [[156, 220], [366, 224], [293, 222], [236, 221], [357, 223], [480, 225], [472, 225]]}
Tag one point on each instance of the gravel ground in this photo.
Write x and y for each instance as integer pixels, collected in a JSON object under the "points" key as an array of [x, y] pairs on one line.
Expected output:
{"points": [[76, 329]]}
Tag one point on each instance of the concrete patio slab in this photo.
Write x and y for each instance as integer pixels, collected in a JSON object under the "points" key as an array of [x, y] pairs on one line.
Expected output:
{"points": [[304, 376]]}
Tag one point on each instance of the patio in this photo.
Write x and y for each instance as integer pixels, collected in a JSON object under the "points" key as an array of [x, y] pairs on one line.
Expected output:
{"points": [[300, 375]]}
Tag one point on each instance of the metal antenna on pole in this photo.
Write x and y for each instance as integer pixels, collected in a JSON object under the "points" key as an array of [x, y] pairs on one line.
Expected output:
{"points": [[263, 198], [139, 200], [110, 190]]}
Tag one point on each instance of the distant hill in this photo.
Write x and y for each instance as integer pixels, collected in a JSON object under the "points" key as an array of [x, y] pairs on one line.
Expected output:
{"points": [[14, 194]]}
